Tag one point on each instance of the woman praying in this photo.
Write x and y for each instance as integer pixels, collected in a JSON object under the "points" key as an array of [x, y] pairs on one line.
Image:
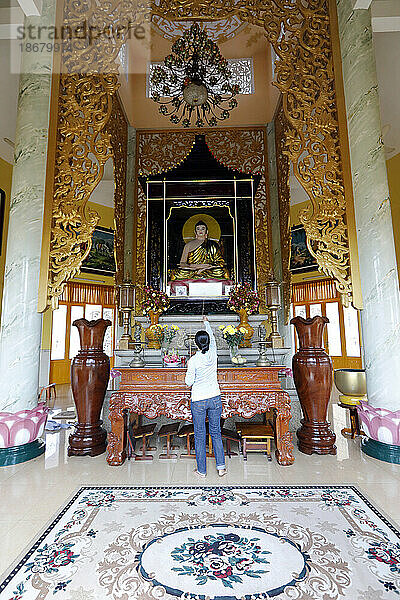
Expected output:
{"points": [[201, 376]]}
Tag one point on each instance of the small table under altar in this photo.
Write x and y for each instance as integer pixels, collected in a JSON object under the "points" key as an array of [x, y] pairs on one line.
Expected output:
{"points": [[152, 392]]}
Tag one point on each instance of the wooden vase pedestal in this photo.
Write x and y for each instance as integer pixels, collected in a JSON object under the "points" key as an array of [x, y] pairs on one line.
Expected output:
{"points": [[312, 373], [90, 371]]}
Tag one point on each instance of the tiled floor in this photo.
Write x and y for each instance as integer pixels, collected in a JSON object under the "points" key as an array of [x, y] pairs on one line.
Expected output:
{"points": [[32, 492]]}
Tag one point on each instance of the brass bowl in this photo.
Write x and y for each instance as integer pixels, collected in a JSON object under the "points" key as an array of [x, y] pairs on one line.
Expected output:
{"points": [[351, 382]]}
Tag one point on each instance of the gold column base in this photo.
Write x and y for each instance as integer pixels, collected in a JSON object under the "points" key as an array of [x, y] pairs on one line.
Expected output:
{"points": [[275, 342], [123, 343]]}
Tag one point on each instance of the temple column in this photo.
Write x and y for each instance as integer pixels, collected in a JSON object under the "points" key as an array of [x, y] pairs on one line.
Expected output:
{"points": [[284, 330], [21, 327], [130, 203], [380, 317]]}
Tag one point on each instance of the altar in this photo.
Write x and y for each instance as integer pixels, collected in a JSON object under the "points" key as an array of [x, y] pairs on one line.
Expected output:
{"points": [[152, 392]]}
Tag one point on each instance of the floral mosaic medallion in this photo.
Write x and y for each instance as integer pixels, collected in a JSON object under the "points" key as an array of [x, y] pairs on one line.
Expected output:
{"points": [[211, 543], [222, 562]]}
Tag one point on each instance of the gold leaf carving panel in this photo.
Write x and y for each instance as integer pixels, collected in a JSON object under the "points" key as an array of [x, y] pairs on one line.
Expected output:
{"points": [[83, 147], [117, 127], [282, 167]]}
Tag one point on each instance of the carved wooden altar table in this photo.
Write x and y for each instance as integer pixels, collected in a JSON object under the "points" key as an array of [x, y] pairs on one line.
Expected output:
{"points": [[153, 392]]}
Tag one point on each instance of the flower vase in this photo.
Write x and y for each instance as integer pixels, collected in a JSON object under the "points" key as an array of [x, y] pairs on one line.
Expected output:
{"points": [[244, 323], [90, 371], [234, 352], [312, 374], [152, 341]]}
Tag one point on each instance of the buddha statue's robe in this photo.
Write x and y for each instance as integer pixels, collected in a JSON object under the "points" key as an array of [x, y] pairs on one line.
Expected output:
{"points": [[207, 253]]}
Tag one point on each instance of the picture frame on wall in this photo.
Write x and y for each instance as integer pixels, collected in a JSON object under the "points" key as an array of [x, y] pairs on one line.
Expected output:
{"points": [[2, 211], [301, 260], [101, 258]]}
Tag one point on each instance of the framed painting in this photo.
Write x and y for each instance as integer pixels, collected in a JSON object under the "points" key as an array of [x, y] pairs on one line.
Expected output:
{"points": [[101, 259], [301, 260], [2, 211]]}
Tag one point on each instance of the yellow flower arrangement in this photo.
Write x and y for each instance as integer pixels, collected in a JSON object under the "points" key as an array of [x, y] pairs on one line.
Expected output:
{"points": [[232, 335]]}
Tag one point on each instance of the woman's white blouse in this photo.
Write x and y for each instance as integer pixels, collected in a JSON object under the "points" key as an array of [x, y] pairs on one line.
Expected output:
{"points": [[201, 374]]}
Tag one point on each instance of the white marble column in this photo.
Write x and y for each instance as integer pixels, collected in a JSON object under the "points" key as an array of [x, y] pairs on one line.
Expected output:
{"points": [[20, 334], [380, 316]]}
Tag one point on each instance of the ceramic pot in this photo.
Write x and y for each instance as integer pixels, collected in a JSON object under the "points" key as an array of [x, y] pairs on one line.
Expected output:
{"points": [[152, 341], [244, 322], [312, 374], [90, 371]]}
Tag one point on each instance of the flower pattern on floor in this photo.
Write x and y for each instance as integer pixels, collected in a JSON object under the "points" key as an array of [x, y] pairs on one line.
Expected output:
{"points": [[225, 556], [225, 543]]}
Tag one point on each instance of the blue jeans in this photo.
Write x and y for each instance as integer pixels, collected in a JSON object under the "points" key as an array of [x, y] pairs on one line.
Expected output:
{"points": [[213, 408]]}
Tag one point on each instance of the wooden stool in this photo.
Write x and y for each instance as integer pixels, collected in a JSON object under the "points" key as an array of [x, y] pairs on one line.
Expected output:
{"points": [[168, 431], [142, 432], [230, 436], [187, 431], [48, 394], [355, 429], [256, 437]]}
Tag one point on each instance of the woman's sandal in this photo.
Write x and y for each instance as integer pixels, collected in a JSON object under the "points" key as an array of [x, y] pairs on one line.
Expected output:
{"points": [[200, 474]]}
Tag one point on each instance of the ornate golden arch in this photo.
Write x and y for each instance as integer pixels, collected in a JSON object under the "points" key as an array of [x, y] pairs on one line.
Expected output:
{"points": [[300, 33]]}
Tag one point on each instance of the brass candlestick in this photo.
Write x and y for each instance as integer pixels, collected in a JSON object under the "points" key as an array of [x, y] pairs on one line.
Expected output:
{"points": [[137, 346], [126, 305], [273, 303], [263, 360]]}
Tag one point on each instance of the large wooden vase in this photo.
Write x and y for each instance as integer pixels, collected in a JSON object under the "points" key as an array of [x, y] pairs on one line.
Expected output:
{"points": [[152, 341], [312, 373], [90, 371], [244, 323]]}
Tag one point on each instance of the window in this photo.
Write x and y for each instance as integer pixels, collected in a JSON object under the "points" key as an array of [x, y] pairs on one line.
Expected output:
{"points": [[333, 328], [123, 59], [351, 331], [74, 342], [81, 300], [242, 74], [58, 333], [341, 336]]}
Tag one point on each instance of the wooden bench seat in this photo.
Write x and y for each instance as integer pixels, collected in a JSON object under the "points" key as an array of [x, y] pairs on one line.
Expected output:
{"points": [[256, 437]]}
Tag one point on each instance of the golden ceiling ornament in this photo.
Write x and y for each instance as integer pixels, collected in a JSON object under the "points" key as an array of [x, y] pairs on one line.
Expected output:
{"points": [[282, 167], [245, 150], [299, 32], [117, 127], [219, 31]]}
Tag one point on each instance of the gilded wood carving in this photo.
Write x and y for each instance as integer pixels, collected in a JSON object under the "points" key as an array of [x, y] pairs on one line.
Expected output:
{"points": [[241, 149], [117, 127], [299, 32], [245, 150], [282, 167]]}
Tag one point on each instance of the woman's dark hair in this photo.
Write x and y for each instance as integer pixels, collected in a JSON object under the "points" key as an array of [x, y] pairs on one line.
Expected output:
{"points": [[202, 340]]}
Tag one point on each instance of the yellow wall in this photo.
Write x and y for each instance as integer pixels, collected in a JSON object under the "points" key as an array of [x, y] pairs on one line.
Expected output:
{"points": [[5, 184], [106, 220], [295, 211], [393, 170]]}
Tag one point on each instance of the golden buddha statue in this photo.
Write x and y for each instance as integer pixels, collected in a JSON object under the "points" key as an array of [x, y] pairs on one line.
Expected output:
{"points": [[201, 258]]}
